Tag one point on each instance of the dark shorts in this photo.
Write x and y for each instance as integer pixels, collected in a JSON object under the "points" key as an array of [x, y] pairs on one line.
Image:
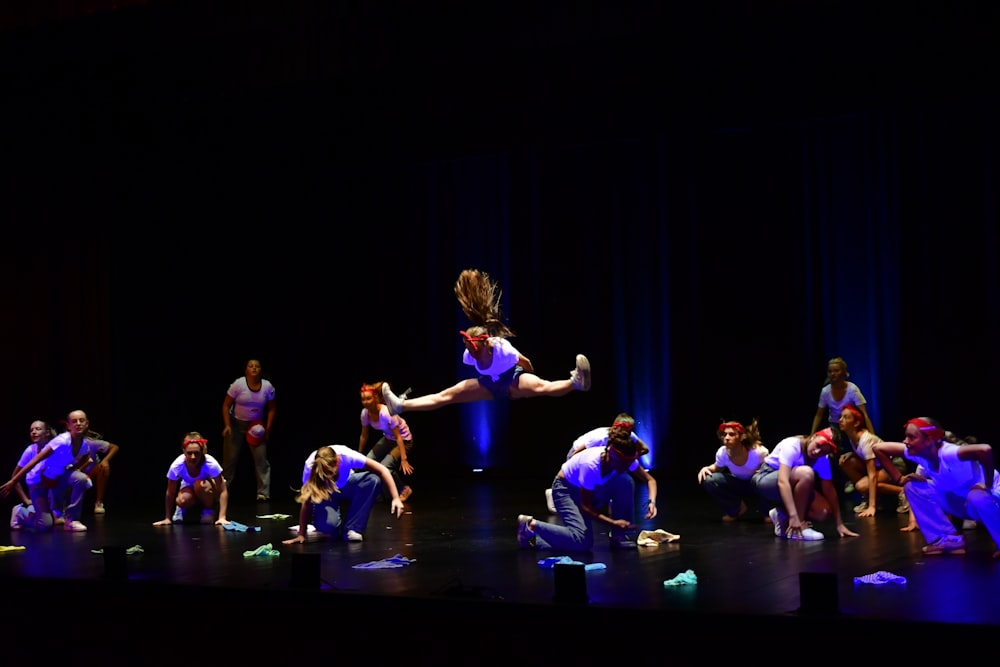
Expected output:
{"points": [[501, 388]]}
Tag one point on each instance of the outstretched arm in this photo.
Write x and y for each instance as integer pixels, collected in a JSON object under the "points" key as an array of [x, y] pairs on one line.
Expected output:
{"points": [[19, 475], [374, 466]]}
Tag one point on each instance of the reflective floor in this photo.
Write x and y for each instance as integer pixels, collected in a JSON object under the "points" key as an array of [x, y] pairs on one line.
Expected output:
{"points": [[454, 553]]}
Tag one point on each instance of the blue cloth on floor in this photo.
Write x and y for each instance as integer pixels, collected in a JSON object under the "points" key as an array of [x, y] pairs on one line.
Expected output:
{"points": [[687, 577], [879, 578], [240, 527], [386, 563], [552, 561]]}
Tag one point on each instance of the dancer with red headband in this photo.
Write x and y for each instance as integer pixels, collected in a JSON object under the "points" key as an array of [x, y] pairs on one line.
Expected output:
{"points": [[789, 478], [503, 371], [951, 480], [863, 469], [393, 447], [728, 480], [598, 437], [195, 480], [596, 484]]}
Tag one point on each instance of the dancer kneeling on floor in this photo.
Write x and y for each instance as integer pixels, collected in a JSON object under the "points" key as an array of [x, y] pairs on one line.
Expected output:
{"points": [[788, 477], [194, 480], [585, 485], [333, 474], [951, 479]]}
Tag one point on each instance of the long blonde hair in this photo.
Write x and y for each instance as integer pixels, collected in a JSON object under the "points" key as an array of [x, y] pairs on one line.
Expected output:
{"points": [[322, 480]]}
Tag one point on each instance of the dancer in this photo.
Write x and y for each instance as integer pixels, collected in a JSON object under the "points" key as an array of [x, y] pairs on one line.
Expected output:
{"points": [[598, 437], [195, 479], [835, 394], [952, 480], [60, 459], [503, 371], [728, 480], [393, 448], [863, 469], [23, 515], [788, 478], [249, 404], [333, 474], [597, 483], [97, 466]]}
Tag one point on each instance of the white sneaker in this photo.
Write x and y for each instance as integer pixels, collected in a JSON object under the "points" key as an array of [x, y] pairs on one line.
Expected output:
{"points": [[14, 523], [74, 527], [904, 505], [580, 376], [99, 508], [780, 522], [178, 515], [861, 507], [548, 501], [310, 529], [809, 535], [353, 536], [393, 402]]}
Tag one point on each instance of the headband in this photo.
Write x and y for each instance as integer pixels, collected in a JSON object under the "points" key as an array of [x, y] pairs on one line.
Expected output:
{"points": [[366, 390], [825, 436], [853, 408], [628, 426], [736, 426], [935, 432], [197, 441], [474, 339]]}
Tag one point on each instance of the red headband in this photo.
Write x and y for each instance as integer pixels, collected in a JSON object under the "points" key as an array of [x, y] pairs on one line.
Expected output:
{"points": [[198, 441], [474, 339], [935, 432], [736, 426], [366, 390], [853, 408], [825, 436], [628, 426]]}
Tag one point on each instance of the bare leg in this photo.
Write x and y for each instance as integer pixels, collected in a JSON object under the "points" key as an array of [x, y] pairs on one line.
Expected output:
{"points": [[100, 476], [529, 384], [466, 391]]}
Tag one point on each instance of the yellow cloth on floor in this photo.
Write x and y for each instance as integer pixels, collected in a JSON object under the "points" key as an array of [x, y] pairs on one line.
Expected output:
{"points": [[2, 549], [654, 538]]}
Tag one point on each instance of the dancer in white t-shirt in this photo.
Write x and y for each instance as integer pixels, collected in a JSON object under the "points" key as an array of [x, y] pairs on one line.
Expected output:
{"points": [[503, 372], [951, 480], [195, 479], [728, 479]]}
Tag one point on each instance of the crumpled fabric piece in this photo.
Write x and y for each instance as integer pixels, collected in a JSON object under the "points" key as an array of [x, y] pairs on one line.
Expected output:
{"points": [[687, 577], [550, 562], [240, 527], [386, 563], [137, 549], [273, 516], [2, 549], [263, 550], [653, 538], [879, 578]]}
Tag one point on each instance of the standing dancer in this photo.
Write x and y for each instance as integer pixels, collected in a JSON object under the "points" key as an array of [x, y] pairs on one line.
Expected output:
{"points": [[503, 371]]}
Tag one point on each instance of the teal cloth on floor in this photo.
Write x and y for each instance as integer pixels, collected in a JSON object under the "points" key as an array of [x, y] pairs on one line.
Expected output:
{"points": [[263, 550], [552, 561], [240, 527], [682, 579], [273, 516], [386, 563]]}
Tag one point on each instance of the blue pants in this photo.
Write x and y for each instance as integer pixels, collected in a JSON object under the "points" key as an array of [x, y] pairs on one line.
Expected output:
{"points": [[360, 492], [577, 532]]}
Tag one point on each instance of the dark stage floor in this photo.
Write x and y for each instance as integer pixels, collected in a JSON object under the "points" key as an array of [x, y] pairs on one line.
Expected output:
{"points": [[466, 566]]}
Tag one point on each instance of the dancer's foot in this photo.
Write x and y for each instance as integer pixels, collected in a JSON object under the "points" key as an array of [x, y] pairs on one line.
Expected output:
{"points": [[580, 376], [393, 402]]}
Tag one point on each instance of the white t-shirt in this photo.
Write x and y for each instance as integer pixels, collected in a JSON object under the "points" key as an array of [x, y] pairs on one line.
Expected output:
{"points": [[350, 460], [30, 452], [584, 469], [851, 395], [248, 405], [789, 451], [754, 458], [864, 447], [210, 469], [953, 474], [504, 358], [386, 423], [62, 455], [597, 437]]}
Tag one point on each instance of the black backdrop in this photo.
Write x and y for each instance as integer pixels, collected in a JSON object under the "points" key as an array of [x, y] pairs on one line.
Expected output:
{"points": [[708, 201]]}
